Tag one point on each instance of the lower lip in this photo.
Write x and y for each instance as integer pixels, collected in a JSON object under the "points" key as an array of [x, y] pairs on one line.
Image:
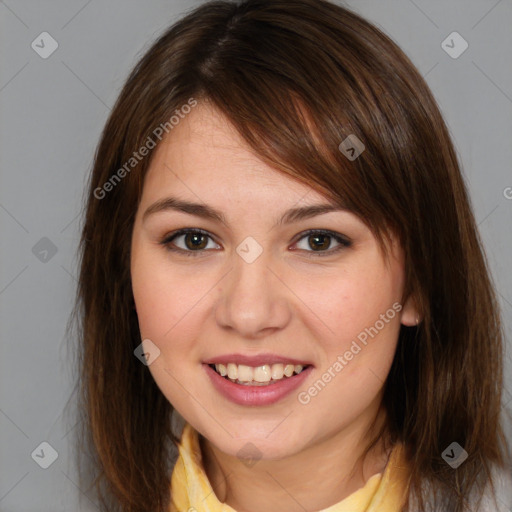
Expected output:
{"points": [[256, 395]]}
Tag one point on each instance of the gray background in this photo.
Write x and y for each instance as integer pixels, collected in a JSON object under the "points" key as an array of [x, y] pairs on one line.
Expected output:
{"points": [[52, 112]]}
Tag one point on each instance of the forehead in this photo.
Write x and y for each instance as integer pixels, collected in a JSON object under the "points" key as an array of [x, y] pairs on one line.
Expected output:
{"points": [[205, 152]]}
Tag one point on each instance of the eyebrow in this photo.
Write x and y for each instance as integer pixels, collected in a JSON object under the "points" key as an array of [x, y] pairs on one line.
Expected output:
{"points": [[207, 212]]}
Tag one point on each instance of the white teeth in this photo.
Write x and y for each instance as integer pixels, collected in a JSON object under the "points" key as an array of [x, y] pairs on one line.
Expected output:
{"points": [[245, 373], [277, 371], [232, 371], [260, 375], [289, 369]]}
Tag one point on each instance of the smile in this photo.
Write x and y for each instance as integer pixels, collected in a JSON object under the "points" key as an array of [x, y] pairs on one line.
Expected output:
{"points": [[263, 375], [254, 393]]}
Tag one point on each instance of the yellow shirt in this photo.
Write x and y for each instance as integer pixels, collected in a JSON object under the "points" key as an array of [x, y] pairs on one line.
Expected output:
{"points": [[191, 490]]}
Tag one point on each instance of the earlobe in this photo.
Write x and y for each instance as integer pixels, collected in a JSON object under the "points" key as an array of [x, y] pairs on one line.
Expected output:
{"points": [[410, 315]]}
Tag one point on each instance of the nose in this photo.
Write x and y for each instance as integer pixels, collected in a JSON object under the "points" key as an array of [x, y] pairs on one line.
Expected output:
{"points": [[254, 299]]}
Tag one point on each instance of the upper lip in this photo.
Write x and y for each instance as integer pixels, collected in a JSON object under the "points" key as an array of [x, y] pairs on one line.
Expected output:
{"points": [[255, 360]]}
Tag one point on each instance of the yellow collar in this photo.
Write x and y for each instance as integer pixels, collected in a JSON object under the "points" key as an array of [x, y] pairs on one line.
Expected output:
{"points": [[191, 489]]}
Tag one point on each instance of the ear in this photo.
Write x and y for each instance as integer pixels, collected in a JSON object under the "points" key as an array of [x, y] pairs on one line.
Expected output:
{"points": [[410, 315]]}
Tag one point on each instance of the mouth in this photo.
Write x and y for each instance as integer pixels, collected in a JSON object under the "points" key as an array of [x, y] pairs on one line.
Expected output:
{"points": [[262, 385], [264, 375]]}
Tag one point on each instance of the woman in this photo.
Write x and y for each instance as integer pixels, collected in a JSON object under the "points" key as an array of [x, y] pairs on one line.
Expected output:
{"points": [[366, 376]]}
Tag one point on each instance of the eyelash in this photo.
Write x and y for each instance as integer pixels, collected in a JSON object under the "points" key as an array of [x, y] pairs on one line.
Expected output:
{"points": [[344, 243]]}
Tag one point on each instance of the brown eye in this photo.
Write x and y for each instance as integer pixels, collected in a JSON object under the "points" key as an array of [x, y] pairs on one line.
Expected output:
{"points": [[195, 241], [318, 242], [192, 242]]}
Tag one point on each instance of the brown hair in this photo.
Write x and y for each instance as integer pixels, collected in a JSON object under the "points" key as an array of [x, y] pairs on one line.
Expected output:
{"points": [[296, 78]]}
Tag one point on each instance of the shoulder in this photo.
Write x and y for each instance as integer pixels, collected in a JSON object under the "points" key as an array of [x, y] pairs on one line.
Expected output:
{"points": [[502, 500], [498, 501]]}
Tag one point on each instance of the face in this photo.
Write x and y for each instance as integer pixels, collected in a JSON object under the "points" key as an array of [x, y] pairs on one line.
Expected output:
{"points": [[250, 285]]}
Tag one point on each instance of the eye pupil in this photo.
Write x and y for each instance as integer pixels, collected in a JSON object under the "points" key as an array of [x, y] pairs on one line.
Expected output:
{"points": [[316, 237], [194, 238]]}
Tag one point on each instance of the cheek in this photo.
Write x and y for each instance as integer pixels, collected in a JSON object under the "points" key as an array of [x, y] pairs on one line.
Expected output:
{"points": [[151, 299], [357, 354], [154, 294], [362, 311], [355, 302], [167, 299], [165, 312]]}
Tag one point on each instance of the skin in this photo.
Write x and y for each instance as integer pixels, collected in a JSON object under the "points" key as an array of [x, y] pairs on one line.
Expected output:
{"points": [[309, 308]]}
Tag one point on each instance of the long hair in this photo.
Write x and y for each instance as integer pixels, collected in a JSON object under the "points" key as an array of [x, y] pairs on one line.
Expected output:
{"points": [[296, 78]]}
